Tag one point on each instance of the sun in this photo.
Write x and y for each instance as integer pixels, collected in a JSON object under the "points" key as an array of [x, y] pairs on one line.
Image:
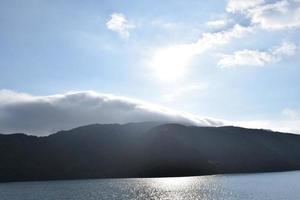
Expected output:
{"points": [[170, 64]]}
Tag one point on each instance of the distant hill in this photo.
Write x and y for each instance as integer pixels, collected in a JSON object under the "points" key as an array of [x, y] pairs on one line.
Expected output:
{"points": [[146, 149]]}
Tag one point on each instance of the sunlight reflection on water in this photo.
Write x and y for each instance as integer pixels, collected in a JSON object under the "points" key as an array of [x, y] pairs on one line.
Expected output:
{"points": [[178, 188], [233, 187]]}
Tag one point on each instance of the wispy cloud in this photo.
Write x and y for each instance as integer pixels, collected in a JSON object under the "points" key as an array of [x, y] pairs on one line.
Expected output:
{"points": [[119, 24], [219, 23], [238, 5], [170, 63], [278, 15], [257, 58]]}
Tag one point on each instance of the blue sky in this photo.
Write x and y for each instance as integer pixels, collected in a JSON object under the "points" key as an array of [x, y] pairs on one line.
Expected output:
{"points": [[237, 61]]}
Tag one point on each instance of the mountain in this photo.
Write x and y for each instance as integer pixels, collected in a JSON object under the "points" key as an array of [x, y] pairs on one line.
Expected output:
{"points": [[147, 149]]}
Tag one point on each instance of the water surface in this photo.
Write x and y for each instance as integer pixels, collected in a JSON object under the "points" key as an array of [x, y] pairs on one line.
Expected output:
{"points": [[284, 185]]}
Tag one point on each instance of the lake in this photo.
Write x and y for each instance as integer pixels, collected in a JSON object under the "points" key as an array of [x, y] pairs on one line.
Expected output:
{"points": [[282, 185]]}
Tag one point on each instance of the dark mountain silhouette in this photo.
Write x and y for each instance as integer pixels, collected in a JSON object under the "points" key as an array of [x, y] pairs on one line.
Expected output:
{"points": [[145, 150]]}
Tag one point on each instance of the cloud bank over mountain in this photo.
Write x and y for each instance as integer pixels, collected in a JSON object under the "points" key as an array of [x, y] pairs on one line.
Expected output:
{"points": [[41, 115]]}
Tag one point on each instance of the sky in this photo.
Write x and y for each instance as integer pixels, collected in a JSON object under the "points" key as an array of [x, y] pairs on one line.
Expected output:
{"points": [[221, 62]]}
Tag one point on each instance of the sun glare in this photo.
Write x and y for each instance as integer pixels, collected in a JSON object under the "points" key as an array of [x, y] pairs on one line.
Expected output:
{"points": [[169, 64], [174, 182]]}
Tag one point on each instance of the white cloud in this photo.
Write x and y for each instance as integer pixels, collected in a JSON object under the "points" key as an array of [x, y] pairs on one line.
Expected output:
{"points": [[170, 63], [285, 49], [209, 40], [219, 23], [245, 57], [278, 15], [119, 24], [257, 58], [241, 5], [8, 96], [46, 114]]}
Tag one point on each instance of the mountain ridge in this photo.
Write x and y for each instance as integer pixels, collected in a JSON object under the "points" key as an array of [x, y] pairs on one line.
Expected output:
{"points": [[147, 149]]}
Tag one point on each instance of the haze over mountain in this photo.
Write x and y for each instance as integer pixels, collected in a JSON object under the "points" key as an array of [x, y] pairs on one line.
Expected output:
{"points": [[148, 149]]}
